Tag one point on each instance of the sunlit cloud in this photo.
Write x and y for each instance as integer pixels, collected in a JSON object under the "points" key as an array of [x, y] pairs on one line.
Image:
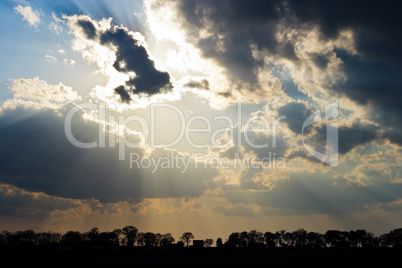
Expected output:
{"points": [[38, 94], [29, 15]]}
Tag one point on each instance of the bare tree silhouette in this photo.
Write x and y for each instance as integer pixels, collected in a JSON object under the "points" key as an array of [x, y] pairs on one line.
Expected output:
{"points": [[186, 238]]}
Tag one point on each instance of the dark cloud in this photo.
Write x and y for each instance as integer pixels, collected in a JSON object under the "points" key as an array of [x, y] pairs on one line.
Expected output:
{"points": [[296, 113], [203, 84], [133, 57], [37, 157], [374, 24], [301, 152], [321, 61], [240, 23], [349, 137], [372, 74], [19, 203], [369, 82], [378, 85], [356, 135], [289, 87], [88, 28], [124, 95], [234, 26], [315, 135], [394, 135]]}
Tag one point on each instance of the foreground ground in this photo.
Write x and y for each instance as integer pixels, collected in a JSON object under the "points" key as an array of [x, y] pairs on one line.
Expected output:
{"points": [[213, 256]]}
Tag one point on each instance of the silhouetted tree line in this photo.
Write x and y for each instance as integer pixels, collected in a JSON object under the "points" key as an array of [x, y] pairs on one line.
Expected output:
{"points": [[126, 237], [129, 237], [303, 239]]}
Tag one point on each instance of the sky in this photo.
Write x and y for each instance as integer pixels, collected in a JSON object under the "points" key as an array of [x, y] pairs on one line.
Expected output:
{"points": [[204, 116]]}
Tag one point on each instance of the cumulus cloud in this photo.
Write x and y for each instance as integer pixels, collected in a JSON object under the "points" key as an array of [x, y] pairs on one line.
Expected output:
{"points": [[38, 94], [131, 56], [327, 51], [225, 30], [122, 55], [243, 39], [189, 56], [28, 14], [368, 173]]}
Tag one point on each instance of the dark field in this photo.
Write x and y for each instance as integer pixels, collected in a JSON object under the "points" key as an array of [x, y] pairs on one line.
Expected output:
{"points": [[214, 256]]}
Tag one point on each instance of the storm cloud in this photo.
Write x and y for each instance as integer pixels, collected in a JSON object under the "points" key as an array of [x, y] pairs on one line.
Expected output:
{"points": [[233, 26], [371, 69]]}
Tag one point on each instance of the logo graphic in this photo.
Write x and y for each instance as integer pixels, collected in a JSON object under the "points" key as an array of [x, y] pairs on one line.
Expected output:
{"points": [[331, 154]]}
